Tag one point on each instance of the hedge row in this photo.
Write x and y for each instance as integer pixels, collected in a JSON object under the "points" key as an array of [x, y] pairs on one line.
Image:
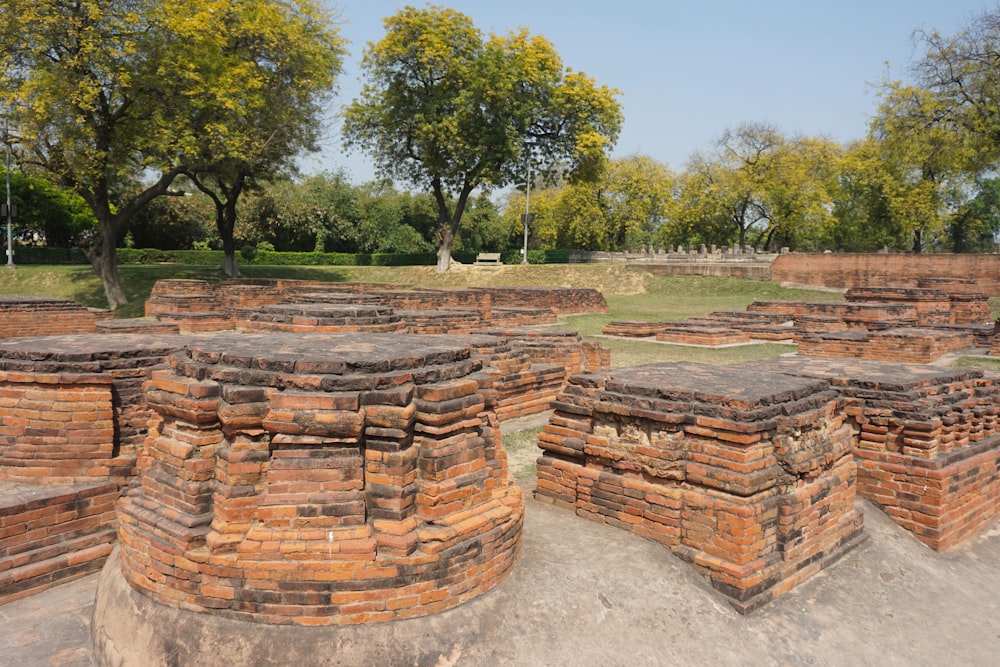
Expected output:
{"points": [[33, 255]]}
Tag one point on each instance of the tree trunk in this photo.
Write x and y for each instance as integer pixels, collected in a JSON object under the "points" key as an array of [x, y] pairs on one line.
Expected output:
{"points": [[448, 224], [102, 258], [445, 238]]}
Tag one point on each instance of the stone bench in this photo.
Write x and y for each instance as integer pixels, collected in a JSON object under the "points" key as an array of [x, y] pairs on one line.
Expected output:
{"points": [[488, 259]]}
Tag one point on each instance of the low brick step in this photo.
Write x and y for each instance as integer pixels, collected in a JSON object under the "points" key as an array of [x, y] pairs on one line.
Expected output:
{"points": [[43, 567]]}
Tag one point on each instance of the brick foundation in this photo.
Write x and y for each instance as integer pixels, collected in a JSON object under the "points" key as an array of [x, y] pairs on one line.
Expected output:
{"points": [[927, 444], [44, 316], [748, 476], [72, 417], [919, 346], [321, 479], [52, 533]]}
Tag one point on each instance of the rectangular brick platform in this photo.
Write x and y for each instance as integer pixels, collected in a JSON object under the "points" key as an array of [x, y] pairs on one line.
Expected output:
{"points": [[747, 475], [53, 533], [927, 444], [904, 345], [44, 316]]}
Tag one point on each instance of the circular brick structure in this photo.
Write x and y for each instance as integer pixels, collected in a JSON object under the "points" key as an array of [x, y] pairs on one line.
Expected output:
{"points": [[319, 479]]}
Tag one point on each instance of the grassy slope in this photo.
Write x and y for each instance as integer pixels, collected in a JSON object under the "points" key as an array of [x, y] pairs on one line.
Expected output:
{"points": [[631, 295]]}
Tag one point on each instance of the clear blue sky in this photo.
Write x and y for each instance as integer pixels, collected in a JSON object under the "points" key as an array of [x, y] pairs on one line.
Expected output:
{"points": [[689, 70]]}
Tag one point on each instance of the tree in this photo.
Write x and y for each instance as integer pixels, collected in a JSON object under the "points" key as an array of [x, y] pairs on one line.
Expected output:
{"points": [[621, 208], [78, 81], [728, 187], [261, 73], [46, 214], [976, 225], [959, 72], [446, 109], [927, 155], [757, 187]]}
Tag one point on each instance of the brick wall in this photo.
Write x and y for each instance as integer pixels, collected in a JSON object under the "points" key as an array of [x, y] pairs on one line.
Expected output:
{"points": [[52, 533], [856, 269], [42, 316], [906, 345]]}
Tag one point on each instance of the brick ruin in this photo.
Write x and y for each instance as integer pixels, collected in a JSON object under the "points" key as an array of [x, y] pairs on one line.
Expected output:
{"points": [[27, 315], [268, 490], [927, 443], [62, 466], [72, 419], [198, 306], [321, 478], [902, 324], [746, 475]]}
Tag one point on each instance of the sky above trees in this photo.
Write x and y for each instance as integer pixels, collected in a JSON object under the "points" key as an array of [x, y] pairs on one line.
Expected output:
{"points": [[688, 71]]}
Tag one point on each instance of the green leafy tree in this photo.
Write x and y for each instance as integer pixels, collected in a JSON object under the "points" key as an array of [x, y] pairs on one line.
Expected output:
{"points": [[448, 110], [975, 227], [46, 214], [260, 73], [927, 159], [757, 188], [79, 84], [958, 73]]}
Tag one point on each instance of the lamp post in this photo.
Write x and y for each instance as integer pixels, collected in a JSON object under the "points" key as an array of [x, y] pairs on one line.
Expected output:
{"points": [[9, 211], [527, 214]]}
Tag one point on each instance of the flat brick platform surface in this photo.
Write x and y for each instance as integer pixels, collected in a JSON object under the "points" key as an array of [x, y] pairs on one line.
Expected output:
{"points": [[321, 479], [928, 449], [904, 345], [747, 475]]}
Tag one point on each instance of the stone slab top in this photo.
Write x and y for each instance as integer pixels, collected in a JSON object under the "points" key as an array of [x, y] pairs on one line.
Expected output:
{"points": [[75, 348], [9, 300], [741, 389], [328, 354], [864, 373]]}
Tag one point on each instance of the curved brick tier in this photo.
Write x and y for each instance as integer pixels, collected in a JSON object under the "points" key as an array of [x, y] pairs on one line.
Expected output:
{"points": [[320, 318], [746, 474], [321, 479]]}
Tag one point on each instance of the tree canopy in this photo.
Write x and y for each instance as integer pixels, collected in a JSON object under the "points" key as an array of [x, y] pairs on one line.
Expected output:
{"points": [[451, 110], [116, 98]]}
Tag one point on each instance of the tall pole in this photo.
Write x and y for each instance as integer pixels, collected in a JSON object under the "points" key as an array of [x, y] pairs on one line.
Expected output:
{"points": [[527, 213], [10, 246]]}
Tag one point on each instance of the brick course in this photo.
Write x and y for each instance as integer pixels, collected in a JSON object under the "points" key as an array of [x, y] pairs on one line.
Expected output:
{"points": [[44, 316]]}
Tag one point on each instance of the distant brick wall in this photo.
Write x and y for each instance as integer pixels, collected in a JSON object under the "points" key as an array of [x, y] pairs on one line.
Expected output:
{"points": [[42, 316], [877, 270]]}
